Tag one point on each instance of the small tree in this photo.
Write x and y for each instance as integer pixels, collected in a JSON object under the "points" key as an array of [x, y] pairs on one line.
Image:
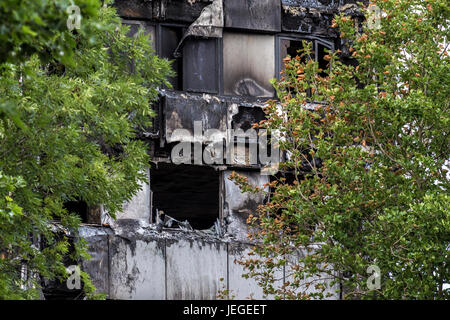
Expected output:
{"points": [[366, 180], [76, 140]]}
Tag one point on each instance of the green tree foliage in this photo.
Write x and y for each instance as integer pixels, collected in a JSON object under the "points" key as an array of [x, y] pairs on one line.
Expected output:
{"points": [[39, 26], [368, 167], [77, 138]]}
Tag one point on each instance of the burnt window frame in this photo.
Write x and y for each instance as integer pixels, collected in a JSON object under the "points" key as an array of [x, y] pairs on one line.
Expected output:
{"points": [[143, 23], [328, 43]]}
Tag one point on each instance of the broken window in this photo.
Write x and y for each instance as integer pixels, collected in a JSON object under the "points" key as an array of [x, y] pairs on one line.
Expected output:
{"points": [[289, 47], [197, 69], [248, 61], [148, 29], [245, 137], [321, 51], [185, 193], [246, 117], [79, 208]]}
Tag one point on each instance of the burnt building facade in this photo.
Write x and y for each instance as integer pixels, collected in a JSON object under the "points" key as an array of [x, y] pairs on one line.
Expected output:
{"points": [[181, 234]]}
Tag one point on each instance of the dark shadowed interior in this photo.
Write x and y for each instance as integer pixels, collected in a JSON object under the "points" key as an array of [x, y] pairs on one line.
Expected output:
{"points": [[186, 192]]}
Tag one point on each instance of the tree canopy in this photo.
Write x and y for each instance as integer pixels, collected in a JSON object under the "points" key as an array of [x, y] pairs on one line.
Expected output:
{"points": [[76, 105], [367, 174]]}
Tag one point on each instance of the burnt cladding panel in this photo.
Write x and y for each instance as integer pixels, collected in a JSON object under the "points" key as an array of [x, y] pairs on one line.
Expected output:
{"points": [[263, 15], [182, 11], [200, 65], [249, 64], [181, 113]]}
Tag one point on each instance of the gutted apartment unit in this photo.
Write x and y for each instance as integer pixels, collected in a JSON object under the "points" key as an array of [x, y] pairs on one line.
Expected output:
{"points": [[180, 235]]}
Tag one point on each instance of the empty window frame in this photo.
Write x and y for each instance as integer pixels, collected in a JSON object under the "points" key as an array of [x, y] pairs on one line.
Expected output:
{"points": [[88, 214], [248, 64], [186, 192]]}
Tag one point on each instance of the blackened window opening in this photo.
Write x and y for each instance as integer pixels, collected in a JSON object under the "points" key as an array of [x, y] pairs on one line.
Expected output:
{"points": [[79, 208], [186, 192], [170, 38]]}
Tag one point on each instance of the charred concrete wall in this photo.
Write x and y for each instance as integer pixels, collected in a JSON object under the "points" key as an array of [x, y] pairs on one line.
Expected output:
{"points": [[134, 261]]}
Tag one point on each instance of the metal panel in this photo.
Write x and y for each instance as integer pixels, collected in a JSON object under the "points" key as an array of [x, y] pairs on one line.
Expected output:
{"points": [[139, 205], [264, 15], [249, 63], [246, 288], [98, 266], [240, 205], [201, 69]]}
